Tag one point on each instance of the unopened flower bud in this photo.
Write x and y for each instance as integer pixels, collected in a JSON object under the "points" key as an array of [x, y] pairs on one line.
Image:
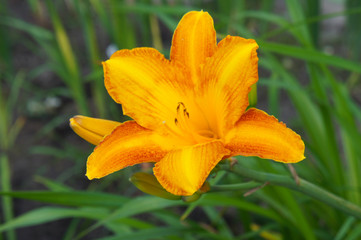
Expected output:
{"points": [[205, 188], [192, 198], [149, 184], [92, 130]]}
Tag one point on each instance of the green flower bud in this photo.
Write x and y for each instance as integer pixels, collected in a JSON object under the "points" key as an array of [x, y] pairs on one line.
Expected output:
{"points": [[149, 184], [192, 198], [205, 188]]}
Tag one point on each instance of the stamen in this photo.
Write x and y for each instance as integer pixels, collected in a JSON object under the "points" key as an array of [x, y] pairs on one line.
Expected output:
{"points": [[180, 104], [184, 126], [181, 120], [186, 113]]}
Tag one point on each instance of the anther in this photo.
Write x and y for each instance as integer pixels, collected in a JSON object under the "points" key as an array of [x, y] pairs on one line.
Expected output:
{"points": [[186, 113], [176, 121], [180, 104]]}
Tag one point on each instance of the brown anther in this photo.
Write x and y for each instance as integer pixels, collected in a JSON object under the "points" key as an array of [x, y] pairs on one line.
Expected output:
{"points": [[176, 121], [180, 104], [186, 113]]}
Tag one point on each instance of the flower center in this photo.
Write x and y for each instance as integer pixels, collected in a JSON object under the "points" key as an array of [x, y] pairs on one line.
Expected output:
{"points": [[193, 127]]}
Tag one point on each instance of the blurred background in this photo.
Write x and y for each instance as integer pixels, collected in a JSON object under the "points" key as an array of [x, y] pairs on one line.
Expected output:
{"points": [[50, 70]]}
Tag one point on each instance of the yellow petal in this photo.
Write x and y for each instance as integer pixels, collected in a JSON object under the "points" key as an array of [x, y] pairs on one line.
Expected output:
{"points": [[227, 79], [194, 40], [92, 130], [258, 134], [183, 171], [127, 145], [147, 85]]}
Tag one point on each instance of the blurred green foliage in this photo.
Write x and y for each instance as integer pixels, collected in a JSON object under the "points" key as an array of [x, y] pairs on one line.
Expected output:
{"points": [[71, 39]]}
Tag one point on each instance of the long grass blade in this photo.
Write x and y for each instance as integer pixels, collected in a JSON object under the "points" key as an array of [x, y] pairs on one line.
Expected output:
{"points": [[47, 214], [310, 55], [69, 61], [7, 203], [72, 198], [345, 228], [135, 206]]}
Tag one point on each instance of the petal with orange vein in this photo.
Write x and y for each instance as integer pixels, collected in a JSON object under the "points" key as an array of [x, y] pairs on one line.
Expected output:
{"points": [[147, 85], [194, 40], [127, 145], [183, 171], [227, 79], [92, 130], [258, 134]]}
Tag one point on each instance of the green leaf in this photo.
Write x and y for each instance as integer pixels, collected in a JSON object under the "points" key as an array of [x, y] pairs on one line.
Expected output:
{"points": [[52, 185], [153, 233], [33, 30], [211, 199], [136, 206], [345, 228], [310, 55], [355, 234], [47, 214], [71, 198]]}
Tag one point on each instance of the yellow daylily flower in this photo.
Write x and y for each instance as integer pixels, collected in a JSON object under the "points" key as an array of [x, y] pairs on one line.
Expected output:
{"points": [[189, 112]]}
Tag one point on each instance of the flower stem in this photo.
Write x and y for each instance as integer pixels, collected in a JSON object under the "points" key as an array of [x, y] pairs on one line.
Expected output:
{"points": [[235, 187], [304, 186]]}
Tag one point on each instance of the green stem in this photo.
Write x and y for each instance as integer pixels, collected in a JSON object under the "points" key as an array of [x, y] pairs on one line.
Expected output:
{"points": [[235, 187], [304, 187], [7, 204]]}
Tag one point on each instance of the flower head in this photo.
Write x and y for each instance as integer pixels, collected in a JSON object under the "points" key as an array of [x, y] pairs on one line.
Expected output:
{"points": [[189, 112]]}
